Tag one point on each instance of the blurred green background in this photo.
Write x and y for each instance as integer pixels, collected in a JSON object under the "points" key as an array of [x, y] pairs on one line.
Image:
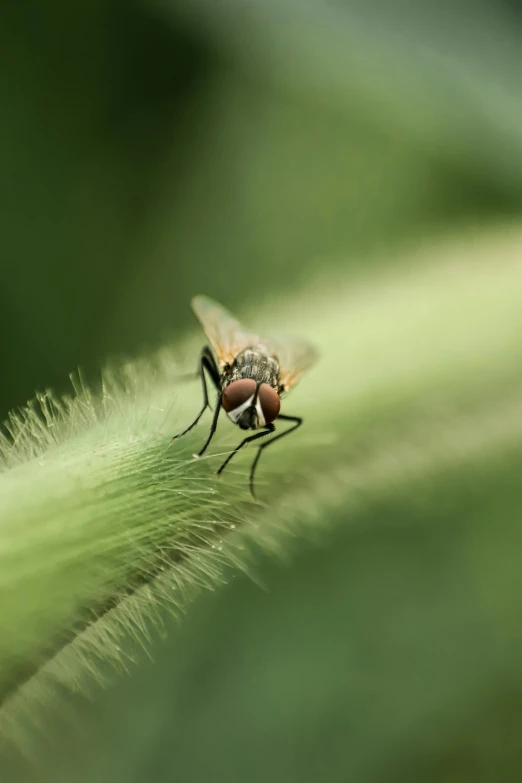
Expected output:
{"points": [[147, 155], [151, 151]]}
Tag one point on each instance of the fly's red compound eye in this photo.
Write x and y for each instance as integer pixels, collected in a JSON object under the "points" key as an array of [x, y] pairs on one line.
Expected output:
{"points": [[237, 393], [270, 402]]}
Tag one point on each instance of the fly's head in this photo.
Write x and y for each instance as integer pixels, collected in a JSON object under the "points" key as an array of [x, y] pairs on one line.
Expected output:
{"points": [[251, 405]]}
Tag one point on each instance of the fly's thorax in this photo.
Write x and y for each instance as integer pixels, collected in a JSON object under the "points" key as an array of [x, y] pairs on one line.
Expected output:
{"points": [[255, 363]]}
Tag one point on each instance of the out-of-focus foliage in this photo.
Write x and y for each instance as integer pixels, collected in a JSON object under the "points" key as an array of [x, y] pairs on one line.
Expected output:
{"points": [[146, 157], [152, 151]]}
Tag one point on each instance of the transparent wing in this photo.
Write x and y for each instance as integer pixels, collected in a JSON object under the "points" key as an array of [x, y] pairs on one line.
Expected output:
{"points": [[226, 335], [295, 357]]}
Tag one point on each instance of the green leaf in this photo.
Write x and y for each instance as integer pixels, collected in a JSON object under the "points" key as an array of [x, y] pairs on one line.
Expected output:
{"points": [[104, 521]]}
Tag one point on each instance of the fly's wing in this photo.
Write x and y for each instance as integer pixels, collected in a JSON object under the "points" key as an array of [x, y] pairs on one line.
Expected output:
{"points": [[295, 357], [226, 335]]}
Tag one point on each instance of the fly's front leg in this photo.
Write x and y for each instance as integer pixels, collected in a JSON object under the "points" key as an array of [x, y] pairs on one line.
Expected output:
{"points": [[208, 363], [297, 421], [269, 428]]}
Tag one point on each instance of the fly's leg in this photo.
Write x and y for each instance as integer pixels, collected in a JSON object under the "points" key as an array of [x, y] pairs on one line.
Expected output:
{"points": [[269, 428], [297, 421], [208, 363], [212, 426]]}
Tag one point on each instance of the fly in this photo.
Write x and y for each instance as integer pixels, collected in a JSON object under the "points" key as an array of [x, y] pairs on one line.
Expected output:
{"points": [[250, 373]]}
